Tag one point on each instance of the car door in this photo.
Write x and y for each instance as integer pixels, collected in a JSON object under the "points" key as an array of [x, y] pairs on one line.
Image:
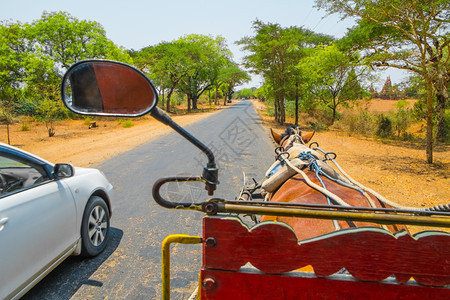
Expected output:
{"points": [[37, 223]]}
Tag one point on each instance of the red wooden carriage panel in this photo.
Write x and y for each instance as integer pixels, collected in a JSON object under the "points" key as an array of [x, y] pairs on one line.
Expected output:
{"points": [[241, 285], [368, 254]]}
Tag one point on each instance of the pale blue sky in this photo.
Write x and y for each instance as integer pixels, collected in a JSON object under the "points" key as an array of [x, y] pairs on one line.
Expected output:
{"points": [[135, 24]]}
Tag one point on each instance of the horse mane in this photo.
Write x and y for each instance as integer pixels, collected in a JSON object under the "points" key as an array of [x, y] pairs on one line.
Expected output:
{"points": [[290, 130]]}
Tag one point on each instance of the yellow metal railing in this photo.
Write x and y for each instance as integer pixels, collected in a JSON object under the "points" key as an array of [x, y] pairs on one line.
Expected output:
{"points": [[173, 238]]}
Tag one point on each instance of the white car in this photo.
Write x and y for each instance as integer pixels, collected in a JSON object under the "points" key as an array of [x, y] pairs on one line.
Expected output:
{"points": [[47, 213]]}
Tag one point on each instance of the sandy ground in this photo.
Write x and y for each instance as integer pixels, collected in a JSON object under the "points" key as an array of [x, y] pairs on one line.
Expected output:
{"points": [[398, 171]]}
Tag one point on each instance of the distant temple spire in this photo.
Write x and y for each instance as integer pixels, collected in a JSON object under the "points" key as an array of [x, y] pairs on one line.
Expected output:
{"points": [[389, 92], [387, 86]]}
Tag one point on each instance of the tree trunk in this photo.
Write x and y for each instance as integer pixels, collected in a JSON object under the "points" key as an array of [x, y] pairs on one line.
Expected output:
{"points": [[281, 114], [7, 131], [334, 115], [333, 107], [296, 103], [169, 95], [216, 101], [194, 102], [441, 128], [275, 104], [429, 133], [227, 95]]}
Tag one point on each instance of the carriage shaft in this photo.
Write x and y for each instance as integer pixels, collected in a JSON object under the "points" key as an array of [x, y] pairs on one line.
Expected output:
{"points": [[379, 218]]}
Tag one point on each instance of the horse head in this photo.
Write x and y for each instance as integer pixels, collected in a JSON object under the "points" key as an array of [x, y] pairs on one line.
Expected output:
{"points": [[291, 134]]}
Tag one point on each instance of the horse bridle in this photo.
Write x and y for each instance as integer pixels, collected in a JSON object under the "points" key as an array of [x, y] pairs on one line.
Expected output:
{"points": [[294, 136]]}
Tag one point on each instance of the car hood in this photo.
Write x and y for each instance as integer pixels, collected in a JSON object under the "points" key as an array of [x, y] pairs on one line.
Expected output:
{"points": [[80, 170]]}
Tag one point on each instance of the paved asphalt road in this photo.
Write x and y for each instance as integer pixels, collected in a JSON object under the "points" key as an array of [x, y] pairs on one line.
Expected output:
{"points": [[130, 268]]}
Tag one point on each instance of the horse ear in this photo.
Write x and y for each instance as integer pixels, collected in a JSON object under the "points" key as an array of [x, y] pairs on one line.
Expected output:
{"points": [[306, 137], [276, 136]]}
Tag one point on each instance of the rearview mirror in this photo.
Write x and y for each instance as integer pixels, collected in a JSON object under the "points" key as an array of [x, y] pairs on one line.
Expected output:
{"points": [[110, 88], [107, 88]]}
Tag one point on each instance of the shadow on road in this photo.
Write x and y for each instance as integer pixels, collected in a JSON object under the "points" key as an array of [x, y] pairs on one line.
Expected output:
{"points": [[65, 280]]}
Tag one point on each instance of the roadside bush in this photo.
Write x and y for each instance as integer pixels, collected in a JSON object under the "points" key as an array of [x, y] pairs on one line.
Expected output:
{"points": [[322, 115], [362, 122], [127, 124], [25, 127], [401, 118], [446, 133], [50, 111], [384, 127], [25, 107], [290, 109], [407, 136], [87, 120], [270, 111], [317, 126]]}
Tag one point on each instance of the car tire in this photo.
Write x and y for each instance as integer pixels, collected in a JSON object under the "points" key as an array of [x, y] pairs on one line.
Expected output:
{"points": [[94, 227]]}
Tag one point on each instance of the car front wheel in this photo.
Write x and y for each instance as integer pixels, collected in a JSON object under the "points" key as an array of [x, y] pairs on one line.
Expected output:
{"points": [[94, 227]]}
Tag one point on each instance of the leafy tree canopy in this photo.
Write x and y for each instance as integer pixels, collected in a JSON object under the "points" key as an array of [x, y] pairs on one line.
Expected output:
{"points": [[405, 34], [33, 58]]}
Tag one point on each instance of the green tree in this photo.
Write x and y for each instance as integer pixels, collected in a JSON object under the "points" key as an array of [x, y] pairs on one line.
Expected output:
{"points": [[59, 41], [166, 64], [401, 117], [384, 128], [262, 92], [331, 77], [15, 49], [49, 111], [232, 76], [274, 53], [7, 118], [66, 40], [33, 58], [208, 55], [405, 34], [246, 93]]}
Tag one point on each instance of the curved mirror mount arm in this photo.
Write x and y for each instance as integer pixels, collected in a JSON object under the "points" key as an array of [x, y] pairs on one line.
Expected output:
{"points": [[210, 172]]}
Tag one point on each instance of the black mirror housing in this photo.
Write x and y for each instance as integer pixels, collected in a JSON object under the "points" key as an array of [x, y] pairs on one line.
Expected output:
{"points": [[63, 171]]}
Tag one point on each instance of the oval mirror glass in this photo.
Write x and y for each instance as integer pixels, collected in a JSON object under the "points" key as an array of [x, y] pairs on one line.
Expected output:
{"points": [[107, 88]]}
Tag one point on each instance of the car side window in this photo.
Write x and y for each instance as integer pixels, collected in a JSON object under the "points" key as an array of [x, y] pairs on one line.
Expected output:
{"points": [[16, 175]]}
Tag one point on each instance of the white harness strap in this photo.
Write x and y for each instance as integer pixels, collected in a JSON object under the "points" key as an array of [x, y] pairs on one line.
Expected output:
{"points": [[279, 171]]}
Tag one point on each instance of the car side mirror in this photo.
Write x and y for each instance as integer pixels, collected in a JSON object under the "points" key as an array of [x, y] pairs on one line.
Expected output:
{"points": [[63, 170], [107, 88]]}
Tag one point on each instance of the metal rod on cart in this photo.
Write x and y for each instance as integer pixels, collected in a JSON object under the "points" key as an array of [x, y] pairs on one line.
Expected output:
{"points": [[379, 218]]}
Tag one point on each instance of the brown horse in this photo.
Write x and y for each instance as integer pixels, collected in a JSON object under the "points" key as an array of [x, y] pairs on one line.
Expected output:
{"points": [[287, 185]]}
